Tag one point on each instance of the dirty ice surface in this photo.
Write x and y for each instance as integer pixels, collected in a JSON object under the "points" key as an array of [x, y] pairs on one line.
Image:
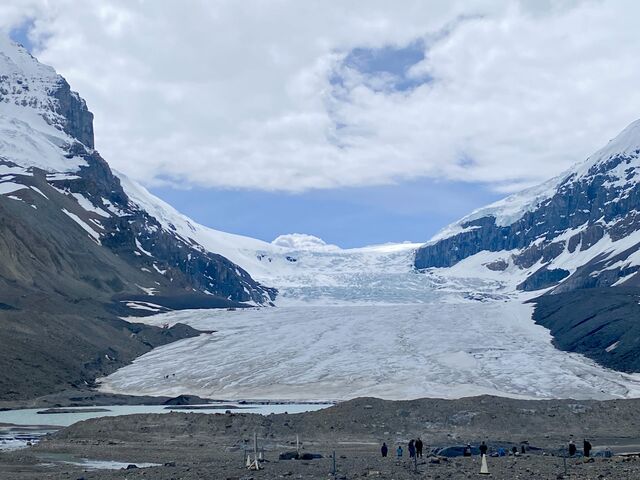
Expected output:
{"points": [[336, 352]]}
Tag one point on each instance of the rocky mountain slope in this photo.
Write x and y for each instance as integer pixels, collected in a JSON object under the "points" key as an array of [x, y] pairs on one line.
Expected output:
{"points": [[77, 249], [572, 237], [579, 230], [47, 162]]}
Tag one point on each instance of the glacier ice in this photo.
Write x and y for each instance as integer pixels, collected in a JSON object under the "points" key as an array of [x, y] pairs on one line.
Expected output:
{"points": [[335, 352]]}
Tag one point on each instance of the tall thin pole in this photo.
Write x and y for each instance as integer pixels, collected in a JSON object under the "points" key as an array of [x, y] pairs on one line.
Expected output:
{"points": [[334, 464], [255, 450]]}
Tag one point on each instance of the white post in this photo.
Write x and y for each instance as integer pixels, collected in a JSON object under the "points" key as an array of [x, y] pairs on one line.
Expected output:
{"points": [[255, 450]]}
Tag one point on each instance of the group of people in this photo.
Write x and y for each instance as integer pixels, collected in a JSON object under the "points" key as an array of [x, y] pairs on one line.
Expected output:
{"points": [[415, 449], [483, 449], [586, 448]]}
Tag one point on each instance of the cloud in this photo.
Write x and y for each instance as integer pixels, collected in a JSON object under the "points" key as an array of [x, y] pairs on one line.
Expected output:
{"points": [[292, 96]]}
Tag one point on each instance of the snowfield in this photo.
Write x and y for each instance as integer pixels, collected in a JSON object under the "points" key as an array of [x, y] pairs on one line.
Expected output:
{"points": [[322, 352]]}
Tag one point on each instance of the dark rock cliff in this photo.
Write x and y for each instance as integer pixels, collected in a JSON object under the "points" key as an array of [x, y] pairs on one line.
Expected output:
{"points": [[172, 263], [601, 323], [78, 120], [578, 237], [590, 205]]}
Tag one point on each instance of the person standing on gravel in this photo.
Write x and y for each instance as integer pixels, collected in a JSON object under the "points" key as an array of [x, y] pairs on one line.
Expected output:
{"points": [[399, 451], [587, 448], [384, 449], [419, 446], [412, 449], [483, 448], [572, 448], [467, 450]]}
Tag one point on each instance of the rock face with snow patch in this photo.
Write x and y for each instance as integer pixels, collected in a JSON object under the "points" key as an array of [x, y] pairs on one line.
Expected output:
{"points": [[49, 150], [579, 230], [24, 82], [576, 239]]}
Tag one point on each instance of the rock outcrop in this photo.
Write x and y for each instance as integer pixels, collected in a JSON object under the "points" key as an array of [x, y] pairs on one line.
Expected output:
{"points": [[78, 120], [578, 231], [574, 239]]}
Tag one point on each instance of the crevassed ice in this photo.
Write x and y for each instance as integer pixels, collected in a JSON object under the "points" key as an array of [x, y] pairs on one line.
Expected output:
{"points": [[334, 352]]}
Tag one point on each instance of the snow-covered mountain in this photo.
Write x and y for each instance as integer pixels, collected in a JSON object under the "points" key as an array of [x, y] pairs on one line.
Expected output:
{"points": [[78, 248], [302, 267], [578, 230], [48, 166], [575, 239]]}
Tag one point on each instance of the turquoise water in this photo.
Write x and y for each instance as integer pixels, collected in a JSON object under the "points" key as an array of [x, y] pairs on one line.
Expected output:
{"points": [[32, 417], [27, 426]]}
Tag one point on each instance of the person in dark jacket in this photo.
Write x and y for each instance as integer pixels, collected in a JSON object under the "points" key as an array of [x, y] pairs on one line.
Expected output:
{"points": [[412, 448], [419, 446], [483, 448], [587, 448], [572, 448], [384, 449], [399, 451]]}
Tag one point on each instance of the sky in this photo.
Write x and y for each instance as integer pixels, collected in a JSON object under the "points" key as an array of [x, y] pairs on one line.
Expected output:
{"points": [[359, 122]]}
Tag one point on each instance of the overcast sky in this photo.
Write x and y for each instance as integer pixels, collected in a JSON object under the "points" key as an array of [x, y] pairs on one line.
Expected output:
{"points": [[360, 121]]}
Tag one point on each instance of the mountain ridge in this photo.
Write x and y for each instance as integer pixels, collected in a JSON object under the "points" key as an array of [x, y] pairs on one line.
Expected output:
{"points": [[39, 110], [574, 240], [595, 202], [77, 251]]}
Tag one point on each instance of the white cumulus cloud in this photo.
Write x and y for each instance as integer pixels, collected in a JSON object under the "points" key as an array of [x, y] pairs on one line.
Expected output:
{"points": [[240, 94]]}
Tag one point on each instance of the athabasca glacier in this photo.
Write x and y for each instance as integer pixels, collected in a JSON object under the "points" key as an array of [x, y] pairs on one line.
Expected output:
{"points": [[361, 322], [304, 353]]}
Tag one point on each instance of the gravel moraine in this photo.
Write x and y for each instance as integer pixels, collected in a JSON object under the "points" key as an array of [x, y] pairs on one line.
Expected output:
{"points": [[211, 446]]}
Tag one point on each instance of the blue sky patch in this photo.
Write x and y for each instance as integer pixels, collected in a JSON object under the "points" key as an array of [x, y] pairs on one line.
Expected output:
{"points": [[20, 34], [348, 217], [389, 62]]}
